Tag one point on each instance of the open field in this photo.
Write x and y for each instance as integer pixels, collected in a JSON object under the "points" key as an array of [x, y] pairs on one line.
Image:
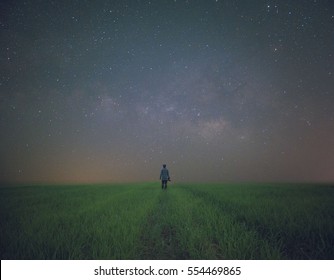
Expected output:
{"points": [[188, 221]]}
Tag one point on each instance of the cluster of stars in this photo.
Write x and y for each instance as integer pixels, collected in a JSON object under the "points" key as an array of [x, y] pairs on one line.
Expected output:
{"points": [[210, 86]]}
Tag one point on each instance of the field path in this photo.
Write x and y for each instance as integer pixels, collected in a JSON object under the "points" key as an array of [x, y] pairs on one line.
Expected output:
{"points": [[159, 238]]}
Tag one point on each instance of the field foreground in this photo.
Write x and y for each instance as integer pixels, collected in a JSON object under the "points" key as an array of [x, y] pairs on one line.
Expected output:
{"points": [[188, 221]]}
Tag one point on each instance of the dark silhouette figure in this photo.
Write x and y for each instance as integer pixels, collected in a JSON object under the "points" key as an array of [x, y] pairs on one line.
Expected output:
{"points": [[164, 177]]}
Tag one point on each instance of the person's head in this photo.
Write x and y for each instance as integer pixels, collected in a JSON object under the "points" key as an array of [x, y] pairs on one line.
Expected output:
{"points": [[164, 165]]}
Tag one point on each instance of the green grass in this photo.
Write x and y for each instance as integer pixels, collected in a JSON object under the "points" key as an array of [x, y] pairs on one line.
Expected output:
{"points": [[188, 221]]}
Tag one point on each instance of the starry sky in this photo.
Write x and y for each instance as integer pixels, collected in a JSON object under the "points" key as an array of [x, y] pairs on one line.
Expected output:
{"points": [[219, 90]]}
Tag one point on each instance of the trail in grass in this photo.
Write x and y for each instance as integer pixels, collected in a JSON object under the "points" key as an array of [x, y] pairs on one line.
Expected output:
{"points": [[159, 238], [185, 226]]}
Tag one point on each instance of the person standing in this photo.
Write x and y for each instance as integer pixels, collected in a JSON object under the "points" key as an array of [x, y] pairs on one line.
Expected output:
{"points": [[164, 177]]}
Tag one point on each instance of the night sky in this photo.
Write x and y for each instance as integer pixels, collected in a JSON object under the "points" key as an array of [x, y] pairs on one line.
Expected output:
{"points": [[108, 91]]}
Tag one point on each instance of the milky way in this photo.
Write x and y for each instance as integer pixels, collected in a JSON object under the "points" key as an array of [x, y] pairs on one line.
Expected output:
{"points": [[108, 91]]}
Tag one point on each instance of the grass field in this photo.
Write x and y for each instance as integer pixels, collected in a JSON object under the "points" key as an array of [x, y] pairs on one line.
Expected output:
{"points": [[188, 221]]}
